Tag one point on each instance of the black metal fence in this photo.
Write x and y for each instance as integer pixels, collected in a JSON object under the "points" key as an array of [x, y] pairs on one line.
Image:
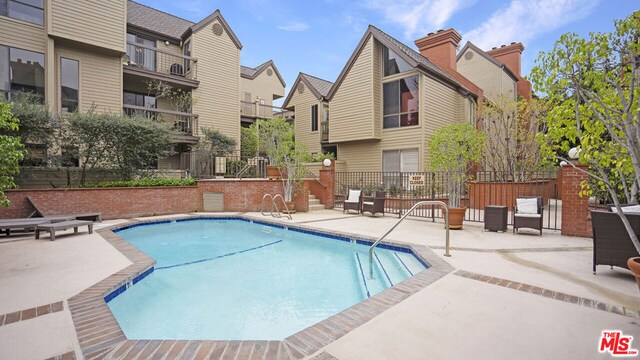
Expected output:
{"points": [[201, 165], [484, 188]]}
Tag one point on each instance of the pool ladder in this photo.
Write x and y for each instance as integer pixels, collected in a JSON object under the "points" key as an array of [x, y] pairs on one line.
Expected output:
{"points": [[426, 202], [277, 214]]}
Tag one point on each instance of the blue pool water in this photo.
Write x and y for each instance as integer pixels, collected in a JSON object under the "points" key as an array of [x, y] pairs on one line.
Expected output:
{"points": [[237, 280]]}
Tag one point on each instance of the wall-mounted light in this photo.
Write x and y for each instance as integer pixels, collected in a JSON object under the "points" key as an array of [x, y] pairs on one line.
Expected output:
{"points": [[563, 163], [574, 153], [166, 42], [326, 162]]}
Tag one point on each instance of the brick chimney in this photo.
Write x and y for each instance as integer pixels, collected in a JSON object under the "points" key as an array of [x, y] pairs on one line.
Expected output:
{"points": [[510, 55], [440, 47]]}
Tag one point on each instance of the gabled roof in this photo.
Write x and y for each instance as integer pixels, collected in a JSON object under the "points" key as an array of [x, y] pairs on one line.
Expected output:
{"points": [[171, 26], [409, 55], [211, 18], [496, 62], [319, 87], [157, 21], [251, 73]]}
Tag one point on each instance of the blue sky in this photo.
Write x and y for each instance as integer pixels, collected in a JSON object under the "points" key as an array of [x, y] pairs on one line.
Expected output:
{"points": [[318, 36]]}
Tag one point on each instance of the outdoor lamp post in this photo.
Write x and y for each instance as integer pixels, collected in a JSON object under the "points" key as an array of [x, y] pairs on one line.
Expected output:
{"points": [[326, 162], [574, 153]]}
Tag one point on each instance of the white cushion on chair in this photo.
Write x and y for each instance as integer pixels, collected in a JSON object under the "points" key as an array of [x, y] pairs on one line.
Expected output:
{"points": [[528, 215], [367, 203], [527, 206], [635, 209], [354, 196]]}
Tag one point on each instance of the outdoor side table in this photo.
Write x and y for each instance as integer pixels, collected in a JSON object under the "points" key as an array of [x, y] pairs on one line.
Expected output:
{"points": [[495, 218]]}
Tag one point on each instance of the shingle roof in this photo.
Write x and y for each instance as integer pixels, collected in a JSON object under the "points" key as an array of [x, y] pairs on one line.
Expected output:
{"points": [[251, 73], [155, 20], [320, 85]]}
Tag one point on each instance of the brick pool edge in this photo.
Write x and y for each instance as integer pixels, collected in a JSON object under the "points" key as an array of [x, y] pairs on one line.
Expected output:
{"points": [[100, 335]]}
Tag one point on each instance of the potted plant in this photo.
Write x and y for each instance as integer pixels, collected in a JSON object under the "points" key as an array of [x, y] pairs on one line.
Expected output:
{"points": [[277, 137], [453, 149]]}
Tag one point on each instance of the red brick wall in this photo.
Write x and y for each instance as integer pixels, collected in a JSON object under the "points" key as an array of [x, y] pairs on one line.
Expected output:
{"points": [[575, 212], [112, 202], [240, 195], [325, 189]]}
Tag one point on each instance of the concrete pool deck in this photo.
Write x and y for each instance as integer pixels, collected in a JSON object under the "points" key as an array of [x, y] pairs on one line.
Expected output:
{"points": [[511, 296]]}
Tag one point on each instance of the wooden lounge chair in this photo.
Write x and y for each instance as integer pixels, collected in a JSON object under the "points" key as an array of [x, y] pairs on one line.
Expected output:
{"points": [[353, 201], [611, 242], [93, 216], [53, 227], [375, 204], [528, 213], [27, 224]]}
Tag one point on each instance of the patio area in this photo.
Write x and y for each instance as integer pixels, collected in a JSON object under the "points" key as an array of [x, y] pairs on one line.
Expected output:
{"points": [[510, 296]]}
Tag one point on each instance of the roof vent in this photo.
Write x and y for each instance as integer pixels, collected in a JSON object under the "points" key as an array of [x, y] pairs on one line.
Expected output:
{"points": [[502, 46], [513, 43], [269, 72], [468, 55], [431, 33], [493, 48], [217, 29], [441, 30], [300, 88]]}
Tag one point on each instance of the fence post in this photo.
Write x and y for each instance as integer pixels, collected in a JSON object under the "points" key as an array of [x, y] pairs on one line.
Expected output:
{"points": [[401, 195]]}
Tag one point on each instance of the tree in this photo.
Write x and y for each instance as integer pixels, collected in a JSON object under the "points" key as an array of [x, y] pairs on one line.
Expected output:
{"points": [[248, 141], [511, 128], [36, 123], [217, 143], [452, 149], [11, 149], [114, 141], [594, 85]]}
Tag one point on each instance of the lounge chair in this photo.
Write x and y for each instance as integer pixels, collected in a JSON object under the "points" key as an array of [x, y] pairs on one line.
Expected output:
{"points": [[611, 242], [353, 201], [528, 213], [30, 223], [375, 204], [93, 216], [64, 225]]}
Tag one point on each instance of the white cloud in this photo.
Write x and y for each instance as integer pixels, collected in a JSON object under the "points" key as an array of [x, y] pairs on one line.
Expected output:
{"points": [[294, 26], [524, 20], [418, 17]]}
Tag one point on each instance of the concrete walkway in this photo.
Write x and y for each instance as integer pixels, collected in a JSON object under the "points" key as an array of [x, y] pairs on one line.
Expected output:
{"points": [[460, 316]]}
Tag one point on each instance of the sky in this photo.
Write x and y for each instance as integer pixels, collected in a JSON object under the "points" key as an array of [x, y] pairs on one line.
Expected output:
{"points": [[318, 36]]}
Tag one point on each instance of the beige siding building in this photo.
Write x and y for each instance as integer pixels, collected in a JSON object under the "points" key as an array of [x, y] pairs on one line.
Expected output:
{"points": [[387, 102], [308, 100], [259, 87], [114, 55]]}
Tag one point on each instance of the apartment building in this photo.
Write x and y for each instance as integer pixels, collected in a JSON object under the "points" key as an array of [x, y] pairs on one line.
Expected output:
{"points": [[97, 54], [259, 87], [308, 100]]}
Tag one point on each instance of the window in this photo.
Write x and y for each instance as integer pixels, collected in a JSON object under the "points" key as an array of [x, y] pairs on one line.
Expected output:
{"points": [[393, 64], [400, 102], [134, 99], [325, 113], [141, 56], [314, 118], [400, 160], [27, 10], [21, 70], [69, 85], [186, 51], [471, 111]]}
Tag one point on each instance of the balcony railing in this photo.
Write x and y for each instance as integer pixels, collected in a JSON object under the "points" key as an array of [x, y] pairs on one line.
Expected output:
{"points": [[187, 123], [325, 131], [148, 58], [260, 111]]}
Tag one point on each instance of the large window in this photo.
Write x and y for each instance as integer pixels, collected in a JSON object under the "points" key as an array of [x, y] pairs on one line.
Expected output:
{"points": [[135, 99], [393, 64], [27, 10], [69, 85], [141, 56], [21, 70], [400, 102], [314, 118], [186, 51]]}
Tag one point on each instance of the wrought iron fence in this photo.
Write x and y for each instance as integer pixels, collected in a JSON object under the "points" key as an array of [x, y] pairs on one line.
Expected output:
{"points": [[202, 165], [484, 188]]}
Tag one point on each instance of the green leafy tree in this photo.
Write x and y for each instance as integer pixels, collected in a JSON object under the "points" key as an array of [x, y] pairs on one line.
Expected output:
{"points": [[249, 141], [217, 143], [452, 149], [37, 126], [594, 86], [11, 149], [277, 138]]}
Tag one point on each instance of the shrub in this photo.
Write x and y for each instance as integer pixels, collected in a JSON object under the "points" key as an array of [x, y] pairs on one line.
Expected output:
{"points": [[143, 182]]}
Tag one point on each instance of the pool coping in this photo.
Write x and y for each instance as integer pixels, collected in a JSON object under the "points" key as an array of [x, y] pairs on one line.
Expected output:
{"points": [[100, 335]]}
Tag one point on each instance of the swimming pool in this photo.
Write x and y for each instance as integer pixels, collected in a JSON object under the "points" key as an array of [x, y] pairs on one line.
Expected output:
{"points": [[234, 279]]}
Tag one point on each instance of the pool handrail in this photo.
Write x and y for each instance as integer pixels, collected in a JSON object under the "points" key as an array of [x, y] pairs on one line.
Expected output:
{"points": [[285, 206], [271, 208], [420, 203]]}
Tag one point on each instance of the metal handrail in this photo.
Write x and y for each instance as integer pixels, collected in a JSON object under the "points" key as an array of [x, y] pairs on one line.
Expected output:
{"points": [[285, 205], [420, 203], [271, 208]]}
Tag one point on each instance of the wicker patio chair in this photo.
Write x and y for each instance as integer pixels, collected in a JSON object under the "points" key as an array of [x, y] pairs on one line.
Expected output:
{"points": [[528, 219], [375, 204], [353, 201], [611, 242]]}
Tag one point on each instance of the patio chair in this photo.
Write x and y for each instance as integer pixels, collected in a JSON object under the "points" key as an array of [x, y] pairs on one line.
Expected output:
{"points": [[374, 204], [353, 201], [611, 242], [93, 216], [528, 213]]}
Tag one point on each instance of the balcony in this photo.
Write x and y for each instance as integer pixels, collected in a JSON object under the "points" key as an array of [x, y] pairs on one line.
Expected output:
{"points": [[184, 123], [149, 62], [255, 110]]}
